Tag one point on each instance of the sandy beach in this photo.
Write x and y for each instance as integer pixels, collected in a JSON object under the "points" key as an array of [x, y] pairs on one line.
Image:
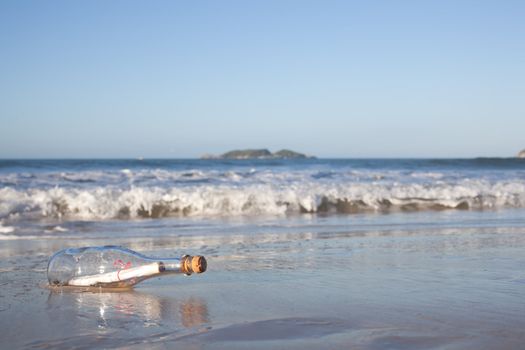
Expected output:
{"points": [[402, 281]]}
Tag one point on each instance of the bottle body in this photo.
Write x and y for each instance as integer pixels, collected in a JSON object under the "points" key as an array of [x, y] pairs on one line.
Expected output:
{"points": [[113, 266]]}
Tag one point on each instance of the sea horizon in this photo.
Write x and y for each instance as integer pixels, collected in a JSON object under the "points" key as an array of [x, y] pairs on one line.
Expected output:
{"points": [[139, 158]]}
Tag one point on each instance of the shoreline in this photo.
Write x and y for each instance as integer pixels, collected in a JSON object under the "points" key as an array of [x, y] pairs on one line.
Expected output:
{"points": [[405, 281]]}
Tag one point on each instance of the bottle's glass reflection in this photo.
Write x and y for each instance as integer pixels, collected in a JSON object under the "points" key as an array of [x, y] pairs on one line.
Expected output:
{"points": [[130, 309]]}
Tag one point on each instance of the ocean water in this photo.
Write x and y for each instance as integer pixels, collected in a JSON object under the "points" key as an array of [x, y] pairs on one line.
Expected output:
{"points": [[130, 189], [302, 254]]}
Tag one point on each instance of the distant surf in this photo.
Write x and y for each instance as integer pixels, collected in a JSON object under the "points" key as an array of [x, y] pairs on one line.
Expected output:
{"points": [[100, 190]]}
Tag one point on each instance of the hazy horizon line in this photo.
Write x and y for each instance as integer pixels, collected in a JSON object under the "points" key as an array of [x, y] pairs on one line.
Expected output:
{"points": [[220, 159]]}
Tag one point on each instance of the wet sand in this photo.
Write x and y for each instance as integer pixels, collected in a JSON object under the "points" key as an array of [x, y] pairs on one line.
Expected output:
{"points": [[307, 287]]}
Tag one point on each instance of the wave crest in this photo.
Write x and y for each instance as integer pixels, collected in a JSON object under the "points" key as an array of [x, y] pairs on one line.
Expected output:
{"points": [[100, 203]]}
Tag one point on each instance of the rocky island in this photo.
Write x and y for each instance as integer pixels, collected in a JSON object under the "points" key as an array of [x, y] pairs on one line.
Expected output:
{"points": [[521, 154], [259, 154]]}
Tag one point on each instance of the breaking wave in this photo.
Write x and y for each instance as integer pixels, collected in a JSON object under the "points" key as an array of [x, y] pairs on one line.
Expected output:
{"points": [[103, 202]]}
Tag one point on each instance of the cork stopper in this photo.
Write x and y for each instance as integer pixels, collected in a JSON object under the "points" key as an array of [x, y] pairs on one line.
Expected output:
{"points": [[193, 264], [198, 264]]}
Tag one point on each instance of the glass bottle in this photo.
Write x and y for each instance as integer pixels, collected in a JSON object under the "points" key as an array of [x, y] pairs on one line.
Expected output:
{"points": [[113, 266]]}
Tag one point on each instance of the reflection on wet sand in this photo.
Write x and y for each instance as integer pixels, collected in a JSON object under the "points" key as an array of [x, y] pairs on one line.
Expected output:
{"points": [[130, 309]]}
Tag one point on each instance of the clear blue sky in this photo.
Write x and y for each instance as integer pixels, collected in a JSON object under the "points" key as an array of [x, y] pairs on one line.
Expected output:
{"points": [[329, 78]]}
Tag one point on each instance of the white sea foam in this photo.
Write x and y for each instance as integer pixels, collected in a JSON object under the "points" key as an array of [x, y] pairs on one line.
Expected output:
{"points": [[8, 237], [274, 197], [56, 229], [6, 229]]}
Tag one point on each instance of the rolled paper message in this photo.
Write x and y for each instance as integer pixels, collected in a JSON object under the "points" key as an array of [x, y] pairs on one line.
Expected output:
{"points": [[116, 276]]}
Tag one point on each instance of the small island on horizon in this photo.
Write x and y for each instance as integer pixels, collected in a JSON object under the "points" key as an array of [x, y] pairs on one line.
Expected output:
{"points": [[262, 153]]}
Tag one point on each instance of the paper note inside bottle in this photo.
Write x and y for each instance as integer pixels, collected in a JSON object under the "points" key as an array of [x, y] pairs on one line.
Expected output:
{"points": [[116, 276]]}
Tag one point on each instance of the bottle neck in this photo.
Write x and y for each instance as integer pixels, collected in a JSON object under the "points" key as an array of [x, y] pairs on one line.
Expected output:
{"points": [[186, 264]]}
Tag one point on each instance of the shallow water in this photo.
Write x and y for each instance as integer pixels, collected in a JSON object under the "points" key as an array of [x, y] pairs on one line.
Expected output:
{"points": [[443, 280]]}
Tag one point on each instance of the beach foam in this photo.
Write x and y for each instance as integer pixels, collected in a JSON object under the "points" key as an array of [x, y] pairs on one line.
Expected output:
{"points": [[122, 189], [99, 203], [6, 229]]}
